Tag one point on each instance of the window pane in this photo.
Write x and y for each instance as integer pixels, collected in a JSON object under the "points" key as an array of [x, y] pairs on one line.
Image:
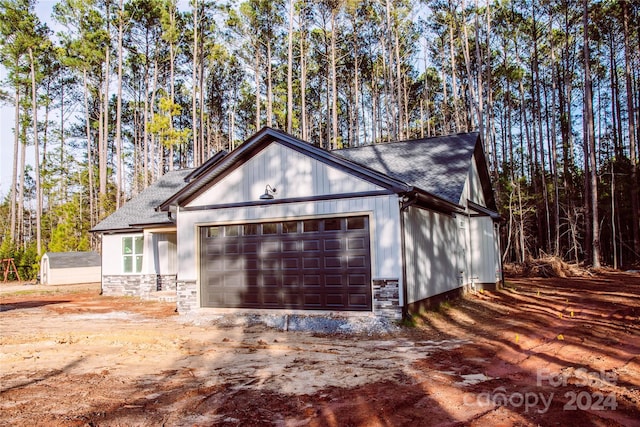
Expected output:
{"points": [[270, 228], [128, 264], [311, 225], [232, 230], [332, 224], [138, 263], [127, 245], [290, 227], [356, 223], [138, 242], [213, 231], [250, 229]]}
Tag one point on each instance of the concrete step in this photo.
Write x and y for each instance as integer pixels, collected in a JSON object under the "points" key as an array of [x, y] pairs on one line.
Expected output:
{"points": [[164, 296]]}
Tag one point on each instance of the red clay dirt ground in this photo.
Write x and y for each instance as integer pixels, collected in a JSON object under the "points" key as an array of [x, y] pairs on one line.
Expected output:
{"points": [[539, 352]]}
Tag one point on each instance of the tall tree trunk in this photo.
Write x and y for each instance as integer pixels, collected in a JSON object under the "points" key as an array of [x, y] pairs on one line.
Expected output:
{"points": [[269, 87], [92, 210], [256, 66], [119, 163], [303, 87], [290, 71], [21, 201], [14, 174], [632, 133], [194, 90], [204, 153], [356, 87], [554, 145], [590, 141], [104, 141], [333, 141], [537, 114], [454, 87], [36, 148]]}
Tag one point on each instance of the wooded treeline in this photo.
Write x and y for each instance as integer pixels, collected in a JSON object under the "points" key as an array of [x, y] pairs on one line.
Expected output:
{"points": [[127, 90]]}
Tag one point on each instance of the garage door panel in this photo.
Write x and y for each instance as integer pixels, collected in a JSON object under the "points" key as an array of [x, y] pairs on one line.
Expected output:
{"points": [[357, 280], [334, 280], [290, 263], [271, 281], [311, 245], [358, 300], [270, 264], [335, 300], [356, 243], [333, 245], [291, 246], [236, 281], [303, 264], [291, 280], [311, 263], [333, 262], [250, 248], [357, 261], [270, 247], [251, 264], [311, 280], [314, 300]]}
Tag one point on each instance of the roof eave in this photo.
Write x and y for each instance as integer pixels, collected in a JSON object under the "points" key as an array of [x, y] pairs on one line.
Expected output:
{"points": [[433, 202], [118, 230]]}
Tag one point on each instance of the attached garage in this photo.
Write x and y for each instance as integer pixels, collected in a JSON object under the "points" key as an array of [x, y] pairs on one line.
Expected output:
{"points": [[312, 264]]}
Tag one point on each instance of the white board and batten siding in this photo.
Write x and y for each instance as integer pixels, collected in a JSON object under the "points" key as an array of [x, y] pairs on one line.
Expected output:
{"points": [[294, 175], [159, 253], [484, 250], [478, 236], [472, 187], [433, 253], [291, 173]]}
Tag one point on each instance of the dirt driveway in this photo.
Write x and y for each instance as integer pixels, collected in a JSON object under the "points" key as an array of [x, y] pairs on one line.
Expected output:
{"points": [[540, 352]]}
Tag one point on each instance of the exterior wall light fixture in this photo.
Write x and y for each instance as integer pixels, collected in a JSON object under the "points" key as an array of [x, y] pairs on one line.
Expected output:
{"points": [[269, 191]]}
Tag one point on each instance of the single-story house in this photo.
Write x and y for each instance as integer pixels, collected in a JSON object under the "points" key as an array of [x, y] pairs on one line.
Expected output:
{"points": [[280, 224], [69, 268]]}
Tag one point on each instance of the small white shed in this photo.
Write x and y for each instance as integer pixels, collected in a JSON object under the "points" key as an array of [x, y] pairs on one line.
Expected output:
{"points": [[69, 268]]}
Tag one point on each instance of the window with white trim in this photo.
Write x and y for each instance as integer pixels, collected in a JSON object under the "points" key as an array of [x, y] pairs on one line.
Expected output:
{"points": [[132, 254]]}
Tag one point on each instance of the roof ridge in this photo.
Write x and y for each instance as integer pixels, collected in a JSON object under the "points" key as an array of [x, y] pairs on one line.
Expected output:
{"points": [[414, 140]]}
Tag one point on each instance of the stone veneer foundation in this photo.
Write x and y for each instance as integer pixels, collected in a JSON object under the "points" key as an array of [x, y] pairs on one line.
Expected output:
{"points": [[137, 285], [386, 299], [386, 293]]}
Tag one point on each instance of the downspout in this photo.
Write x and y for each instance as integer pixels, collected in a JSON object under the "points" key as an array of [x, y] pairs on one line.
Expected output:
{"points": [[471, 277], [406, 200], [496, 230]]}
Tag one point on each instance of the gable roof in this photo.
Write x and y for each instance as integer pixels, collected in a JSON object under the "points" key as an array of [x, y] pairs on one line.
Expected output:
{"points": [[141, 210], [433, 169], [438, 165], [219, 169], [73, 259]]}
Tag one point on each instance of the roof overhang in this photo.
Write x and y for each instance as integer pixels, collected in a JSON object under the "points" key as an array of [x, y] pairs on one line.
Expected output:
{"points": [[435, 203], [484, 211], [204, 177]]}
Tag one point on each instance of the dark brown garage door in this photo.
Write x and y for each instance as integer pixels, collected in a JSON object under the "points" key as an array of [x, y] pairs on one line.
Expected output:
{"points": [[319, 264]]}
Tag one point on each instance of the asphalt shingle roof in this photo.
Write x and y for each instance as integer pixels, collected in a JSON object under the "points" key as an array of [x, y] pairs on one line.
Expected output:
{"points": [[141, 208], [436, 165], [73, 259]]}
